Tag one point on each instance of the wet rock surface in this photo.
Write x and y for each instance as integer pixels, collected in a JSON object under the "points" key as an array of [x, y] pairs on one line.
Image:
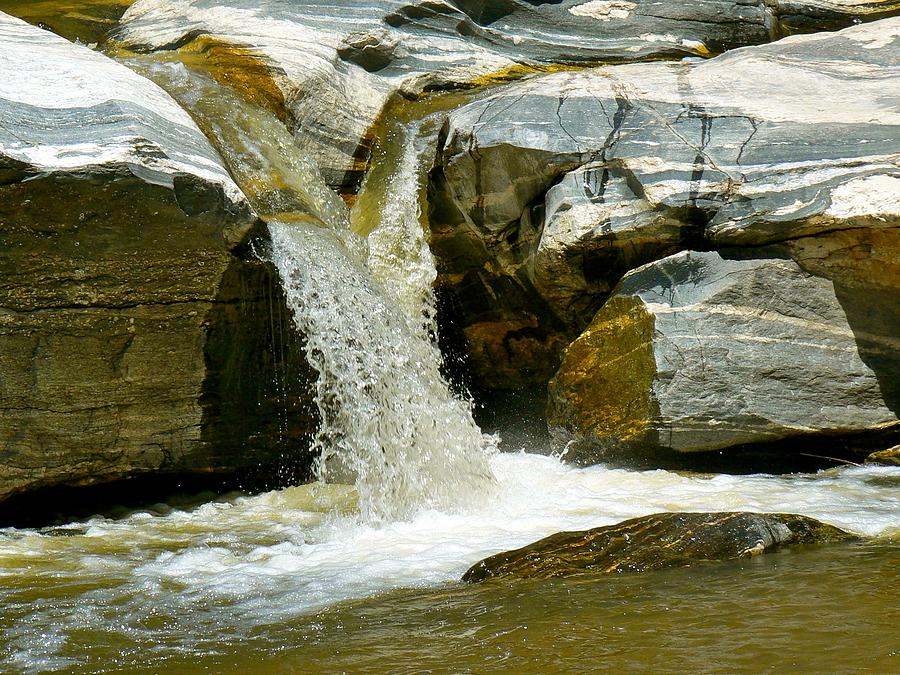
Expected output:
{"points": [[699, 352], [655, 542], [887, 457], [338, 63], [550, 189], [134, 323]]}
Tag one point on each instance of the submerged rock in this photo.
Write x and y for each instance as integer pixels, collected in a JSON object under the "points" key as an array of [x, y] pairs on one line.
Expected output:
{"points": [[135, 329], [656, 542], [87, 21], [336, 64], [549, 190], [699, 352]]}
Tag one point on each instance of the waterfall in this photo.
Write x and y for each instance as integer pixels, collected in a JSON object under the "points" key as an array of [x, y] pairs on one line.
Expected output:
{"points": [[387, 414], [399, 255], [388, 419]]}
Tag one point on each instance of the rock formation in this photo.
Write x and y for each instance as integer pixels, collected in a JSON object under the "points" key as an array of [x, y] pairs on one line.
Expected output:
{"points": [[655, 542], [697, 352], [332, 67], [136, 332], [547, 191]]}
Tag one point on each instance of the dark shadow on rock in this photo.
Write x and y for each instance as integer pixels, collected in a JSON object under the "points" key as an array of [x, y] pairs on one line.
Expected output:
{"points": [[153, 493], [874, 317], [806, 453], [257, 396]]}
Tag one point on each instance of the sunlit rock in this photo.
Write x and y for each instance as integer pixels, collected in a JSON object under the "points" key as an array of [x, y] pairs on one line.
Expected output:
{"points": [[550, 189], [656, 542], [337, 64], [887, 457], [700, 352], [136, 333]]}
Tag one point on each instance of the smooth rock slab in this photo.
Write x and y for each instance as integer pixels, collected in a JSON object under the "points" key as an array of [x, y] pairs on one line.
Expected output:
{"points": [[655, 542], [133, 326], [337, 63], [557, 185], [698, 352]]}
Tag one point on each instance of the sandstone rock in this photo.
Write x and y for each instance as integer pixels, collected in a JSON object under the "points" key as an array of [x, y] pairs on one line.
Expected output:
{"points": [[133, 323], [337, 64], [656, 542], [698, 352], [551, 188]]}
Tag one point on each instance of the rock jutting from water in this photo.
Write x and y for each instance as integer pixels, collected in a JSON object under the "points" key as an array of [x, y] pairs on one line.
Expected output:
{"points": [[550, 189], [329, 69], [654, 542], [886, 457], [135, 336]]}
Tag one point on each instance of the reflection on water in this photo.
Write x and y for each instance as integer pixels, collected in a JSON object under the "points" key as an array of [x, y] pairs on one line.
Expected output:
{"points": [[296, 580]]}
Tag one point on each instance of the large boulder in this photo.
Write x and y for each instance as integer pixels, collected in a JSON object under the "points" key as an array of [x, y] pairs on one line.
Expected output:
{"points": [[137, 334], [698, 352], [655, 542], [331, 67], [550, 189]]}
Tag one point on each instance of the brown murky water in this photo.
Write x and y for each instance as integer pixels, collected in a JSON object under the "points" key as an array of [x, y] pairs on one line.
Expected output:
{"points": [[294, 581], [826, 610]]}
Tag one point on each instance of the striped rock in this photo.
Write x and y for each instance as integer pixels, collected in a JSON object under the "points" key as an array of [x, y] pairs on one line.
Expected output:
{"points": [[126, 342], [658, 541], [556, 186], [700, 352], [335, 63]]}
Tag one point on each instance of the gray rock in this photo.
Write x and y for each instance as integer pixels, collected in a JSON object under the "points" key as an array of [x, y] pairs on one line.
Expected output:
{"points": [[132, 325], [373, 50], [565, 181], [697, 352], [338, 63]]}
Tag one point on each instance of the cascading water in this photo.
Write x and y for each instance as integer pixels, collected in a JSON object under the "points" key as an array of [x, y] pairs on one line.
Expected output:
{"points": [[399, 255], [388, 419], [387, 414]]}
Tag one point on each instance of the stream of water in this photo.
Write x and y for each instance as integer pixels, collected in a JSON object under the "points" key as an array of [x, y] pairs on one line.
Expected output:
{"points": [[360, 572]]}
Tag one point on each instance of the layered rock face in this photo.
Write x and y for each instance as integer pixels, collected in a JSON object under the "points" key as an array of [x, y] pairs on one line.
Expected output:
{"points": [[132, 327], [655, 542], [329, 68], [546, 192], [697, 352]]}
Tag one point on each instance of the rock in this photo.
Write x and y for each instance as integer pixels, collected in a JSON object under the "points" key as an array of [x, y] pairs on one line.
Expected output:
{"points": [[134, 324], [699, 352], [888, 457], [337, 64], [656, 542], [551, 188], [372, 50]]}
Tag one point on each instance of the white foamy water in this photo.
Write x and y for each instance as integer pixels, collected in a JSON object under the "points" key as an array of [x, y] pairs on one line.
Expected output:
{"points": [[388, 417], [252, 561], [399, 255]]}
